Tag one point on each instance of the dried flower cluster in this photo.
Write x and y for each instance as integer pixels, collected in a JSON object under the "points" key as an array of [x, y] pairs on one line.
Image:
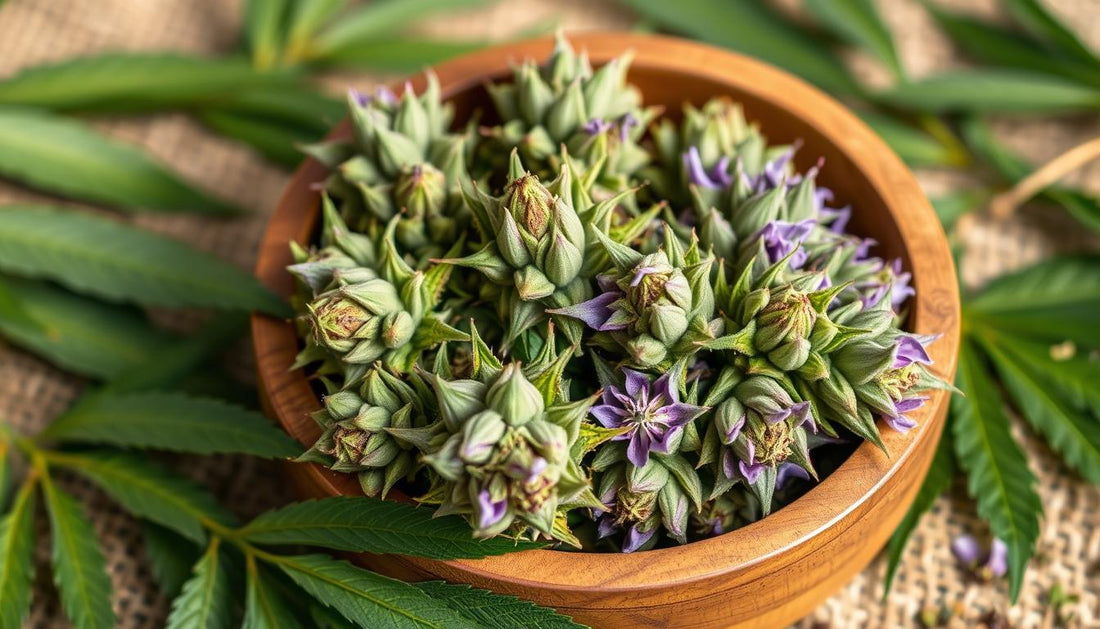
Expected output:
{"points": [[588, 322]]}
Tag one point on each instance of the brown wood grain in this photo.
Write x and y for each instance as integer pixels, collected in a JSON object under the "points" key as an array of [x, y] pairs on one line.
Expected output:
{"points": [[769, 573]]}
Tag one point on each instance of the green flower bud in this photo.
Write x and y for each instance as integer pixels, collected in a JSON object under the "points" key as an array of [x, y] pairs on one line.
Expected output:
{"points": [[480, 435], [862, 360], [788, 316], [343, 404], [421, 190], [646, 351], [790, 355], [763, 395], [532, 284], [563, 259], [667, 323], [729, 418], [510, 242], [753, 303], [397, 329], [514, 397], [335, 322], [530, 204], [458, 400]]}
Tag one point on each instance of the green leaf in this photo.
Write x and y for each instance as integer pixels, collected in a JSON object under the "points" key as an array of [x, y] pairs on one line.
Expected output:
{"points": [[61, 156], [303, 109], [857, 22], [277, 143], [108, 259], [151, 491], [494, 611], [753, 28], [1074, 377], [992, 90], [399, 55], [206, 601], [362, 524], [915, 146], [79, 568], [306, 18], [170, 556], [979, 136], [263, 23], [370, 600], [264, 607], [951, 206], [132, 82], [936, 482], [177, 360], [998, 477], [1067, 426], [1057, 299], [7, 472], [379, 18], [17, 559], [12, 311], [81, 335], [171, 421], [993, 44], [1033, 16]]}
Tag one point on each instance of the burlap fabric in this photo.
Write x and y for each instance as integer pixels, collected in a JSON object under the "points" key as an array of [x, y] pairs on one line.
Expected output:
{"points": [[34, 31]]}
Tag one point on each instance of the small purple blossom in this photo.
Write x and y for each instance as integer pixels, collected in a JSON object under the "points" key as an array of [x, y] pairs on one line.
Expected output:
{"points": [[596, 126], [891, 280], [718, 177], [596, 313], [966, 549], [997, 564], [788, 471], [626, 123], [652, 412], [780, 238], [489, 512], [901, 422], [910, 350], [382, 94]]}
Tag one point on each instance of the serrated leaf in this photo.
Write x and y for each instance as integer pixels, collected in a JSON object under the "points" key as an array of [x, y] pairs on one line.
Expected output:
{"points": [[494, 611], [171, 421], [379, 18], [151, 491], [79, 568], [1068, 427], [857, 22], [264, 608], [109, 259], [62, 156], [1013, 167], [17, 559], [273, 141], [263, 25], [753, 28], [79, 334], [362, 524], [1073, 376], [1034, 17], [996, 45], [997, 471], [131, 82], [940, 474], [1057, 299], [992, 90], [206, 600], [914, 146], [398, 55], [170, 556], [176, 360], [370, 600]]}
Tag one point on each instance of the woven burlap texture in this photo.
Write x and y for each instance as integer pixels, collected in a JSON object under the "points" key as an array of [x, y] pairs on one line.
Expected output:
{"points": [[31, 391]]}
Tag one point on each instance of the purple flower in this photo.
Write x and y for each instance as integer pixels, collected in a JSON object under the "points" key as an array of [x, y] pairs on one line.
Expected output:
{"points": [[489, 512], [596, 126], [997, 564], [890, 279], [787, 471], [652, 412], [901, 422], [626, 123], [596, 313], [383, 94], [635, 538], [910, 350], [718, 177], [796, 415], [966, 549], [780, 238]]}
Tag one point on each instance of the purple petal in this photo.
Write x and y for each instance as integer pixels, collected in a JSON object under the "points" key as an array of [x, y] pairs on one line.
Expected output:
{"points": [[735, 430], [626, 123], [729, 461], [751, 471], [679, 414], [609, 416], [606, 527], [637, 451], [635, 538], [966, 549], [489, 512], [640, 272], [787, 471], [720, 174], [997, 565], [538, 466], [636, 382], [594, 313], [663, 387], [910, 350], [596, 126], [697, 175]]}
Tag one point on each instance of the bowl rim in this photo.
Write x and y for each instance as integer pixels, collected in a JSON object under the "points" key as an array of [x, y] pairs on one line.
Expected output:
{"points": [[858, 480]]}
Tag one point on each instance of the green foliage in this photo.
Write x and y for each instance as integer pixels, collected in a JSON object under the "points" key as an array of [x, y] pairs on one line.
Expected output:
{"points": [[58, 155], [206, 601], [368, 599], [273, 141], [264, 606], [493, 611], [79, 334], [858, 22], [915, 146], [135, 82], [79, 568], [398, 55], [108, 259], [170, 556], [1035, 18], [992, 90], [363, 524], [152, 492], [997, 471], [171, 421], [263, 23], [17, 559]]}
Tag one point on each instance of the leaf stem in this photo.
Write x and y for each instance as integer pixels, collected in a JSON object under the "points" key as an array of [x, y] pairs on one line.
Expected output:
{"points": [[1005, 204]]}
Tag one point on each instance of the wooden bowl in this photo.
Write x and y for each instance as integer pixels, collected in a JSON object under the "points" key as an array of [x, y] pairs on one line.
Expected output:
{"points": [[767, 574]]}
